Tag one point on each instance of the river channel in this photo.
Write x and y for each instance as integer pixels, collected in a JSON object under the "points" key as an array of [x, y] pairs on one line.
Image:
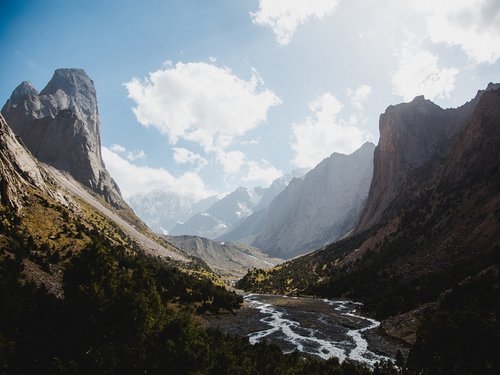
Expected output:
{"points": [[318, 327]]}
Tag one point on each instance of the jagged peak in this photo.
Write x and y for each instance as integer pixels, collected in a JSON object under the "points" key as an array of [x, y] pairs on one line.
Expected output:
{"points": [[493, 86], [23, 90], [71, 81]]}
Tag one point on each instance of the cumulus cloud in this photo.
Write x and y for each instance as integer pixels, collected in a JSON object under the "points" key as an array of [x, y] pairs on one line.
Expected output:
{"points": [[130, 155], [201, 102], [473, 25], [263, 173], [231, 161], [134, 179], [284, 16], [324, 132], [419, 73], [359, 96], [185, 156]]}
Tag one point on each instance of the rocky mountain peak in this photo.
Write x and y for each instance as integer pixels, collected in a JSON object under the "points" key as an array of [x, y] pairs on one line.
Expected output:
{"points": [[25, 89], [60, 126], [74, 90]]}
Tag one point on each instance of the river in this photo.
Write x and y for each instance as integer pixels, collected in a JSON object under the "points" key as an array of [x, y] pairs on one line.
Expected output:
{"points": [[319, 327]]}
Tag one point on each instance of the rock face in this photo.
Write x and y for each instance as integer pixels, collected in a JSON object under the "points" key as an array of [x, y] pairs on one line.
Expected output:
{"points": [[60, 126], [411, 136], [319, 208]]}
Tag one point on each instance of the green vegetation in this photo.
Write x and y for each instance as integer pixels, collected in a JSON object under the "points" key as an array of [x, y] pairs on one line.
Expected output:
{"points": [[128, 313]]}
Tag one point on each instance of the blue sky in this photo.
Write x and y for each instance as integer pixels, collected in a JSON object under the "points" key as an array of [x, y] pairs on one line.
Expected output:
{"points": [[200, 97]]}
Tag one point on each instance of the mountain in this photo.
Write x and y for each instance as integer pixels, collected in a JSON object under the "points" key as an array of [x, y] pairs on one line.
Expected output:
{"points": [[430, 238], [412, 135], [230, 260], [319, 208], [219, 216], [249, 227], [46, 217], [162, 211], [60, 126]]}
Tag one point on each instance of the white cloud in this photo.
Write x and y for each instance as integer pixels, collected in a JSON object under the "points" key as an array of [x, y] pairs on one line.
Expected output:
{"points": [[184, 156], [323, 133], [117, 148], [201, 102], [130, 155], [419, 73], [263, 173], [473, 25], [359, 96], [133, 155], [231, 161], [134, 179], [284, 16]]}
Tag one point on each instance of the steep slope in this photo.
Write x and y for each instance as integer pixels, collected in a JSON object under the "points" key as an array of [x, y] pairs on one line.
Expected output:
{"points": [[43, 198], [319, 208], [20, 171], [445, 230], [46, 217], [60, 126], [231, 260]]}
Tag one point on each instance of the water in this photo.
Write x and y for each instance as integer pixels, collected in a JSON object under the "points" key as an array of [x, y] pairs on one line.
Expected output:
{"points": [[324, 328]]}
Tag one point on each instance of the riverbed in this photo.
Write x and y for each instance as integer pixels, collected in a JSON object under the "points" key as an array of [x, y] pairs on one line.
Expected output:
{"points": [[312, 326]]}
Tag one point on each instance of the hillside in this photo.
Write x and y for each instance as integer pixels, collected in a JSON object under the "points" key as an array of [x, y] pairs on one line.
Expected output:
{"points": [[230, 260]]}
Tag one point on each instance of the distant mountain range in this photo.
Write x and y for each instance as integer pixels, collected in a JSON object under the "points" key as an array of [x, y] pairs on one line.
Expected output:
{"points": [[297, 213], [167, 213]]}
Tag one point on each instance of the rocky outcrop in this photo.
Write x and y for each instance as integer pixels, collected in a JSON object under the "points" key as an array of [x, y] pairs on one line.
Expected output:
{"points": [[413, 137], [319, 208], [60, 126]]}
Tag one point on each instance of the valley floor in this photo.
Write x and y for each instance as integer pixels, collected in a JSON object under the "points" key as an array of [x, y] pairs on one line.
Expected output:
{"points": [[312, 326]]}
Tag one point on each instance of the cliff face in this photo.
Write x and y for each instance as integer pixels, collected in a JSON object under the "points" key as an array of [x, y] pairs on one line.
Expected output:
{"points": [[60, 126], [319, 208], [412, 136]]}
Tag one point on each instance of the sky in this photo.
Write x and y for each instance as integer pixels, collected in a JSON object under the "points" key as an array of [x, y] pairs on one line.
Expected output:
{"points": [[200, 97]]}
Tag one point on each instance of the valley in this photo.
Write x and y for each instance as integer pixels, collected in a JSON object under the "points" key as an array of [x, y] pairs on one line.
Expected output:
{"points": [[382, 261], [311, 326]]}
